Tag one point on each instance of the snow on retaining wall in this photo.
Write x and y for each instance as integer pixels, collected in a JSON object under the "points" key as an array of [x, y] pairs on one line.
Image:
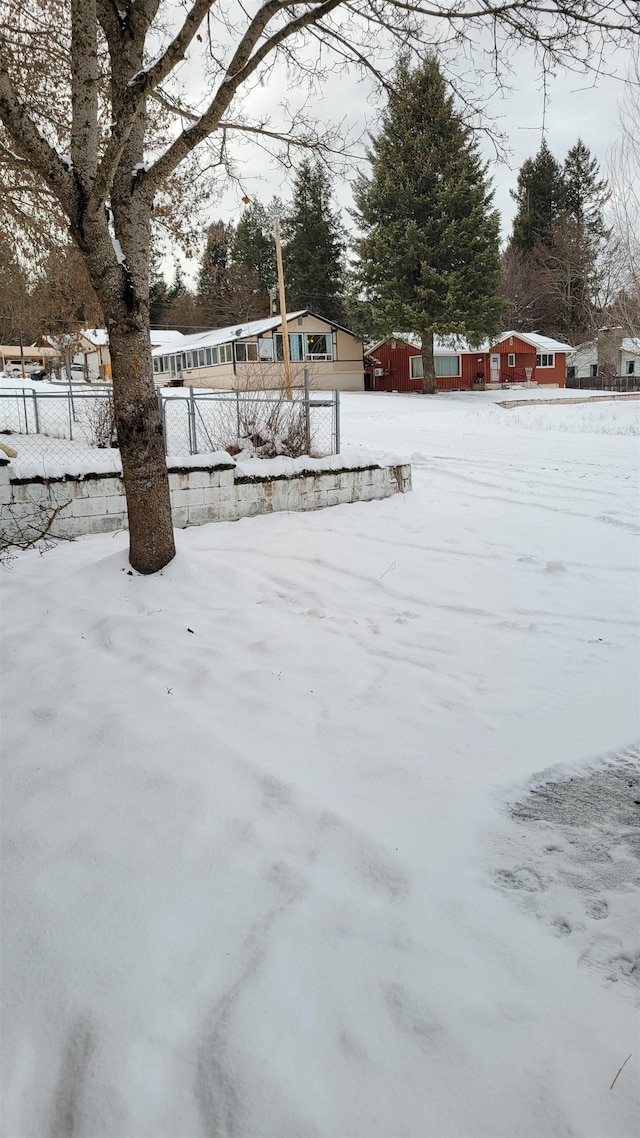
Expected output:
{"points": [[210, 490]]}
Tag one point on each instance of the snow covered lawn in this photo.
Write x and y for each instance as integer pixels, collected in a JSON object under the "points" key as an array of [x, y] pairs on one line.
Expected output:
{"points": [[269, 867]]}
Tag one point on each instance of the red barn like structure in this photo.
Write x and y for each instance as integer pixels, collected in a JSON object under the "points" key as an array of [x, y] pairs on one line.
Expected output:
{"points": [[395, 364]]}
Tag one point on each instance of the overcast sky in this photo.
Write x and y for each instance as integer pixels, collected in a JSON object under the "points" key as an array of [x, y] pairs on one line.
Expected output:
{"points": [[577, 105]]}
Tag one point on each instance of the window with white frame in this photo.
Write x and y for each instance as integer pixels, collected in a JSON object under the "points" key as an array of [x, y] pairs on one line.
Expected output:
{"points": [[511, 359], [296, 346], [156, 364], [545, 359], [318, 346], [443, 366], [247, 351], [225, 354], [266, 350], [447, 365]]}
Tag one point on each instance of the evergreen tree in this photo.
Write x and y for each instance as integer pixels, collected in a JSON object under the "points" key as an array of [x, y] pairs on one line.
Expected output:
{"points": [[213, 277], [552, 262], [429, 256], [585, 195], [540, 196], [314, 246], [158, 299], [253, 245], [177, 289]]}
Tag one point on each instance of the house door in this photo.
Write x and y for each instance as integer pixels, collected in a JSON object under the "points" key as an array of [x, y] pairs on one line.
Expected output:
{"points": [[494, 363]]}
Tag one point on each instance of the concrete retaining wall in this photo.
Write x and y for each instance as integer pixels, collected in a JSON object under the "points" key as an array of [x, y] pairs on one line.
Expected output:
{"points": [[220, 490]]}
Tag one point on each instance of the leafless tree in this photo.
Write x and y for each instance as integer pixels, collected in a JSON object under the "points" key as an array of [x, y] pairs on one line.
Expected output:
{"points": [[623, 262], [85, 142]]}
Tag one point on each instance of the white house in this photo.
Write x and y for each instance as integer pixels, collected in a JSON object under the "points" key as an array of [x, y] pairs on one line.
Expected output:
{"points": [[93, 349], [250, 355], [609, 354]]}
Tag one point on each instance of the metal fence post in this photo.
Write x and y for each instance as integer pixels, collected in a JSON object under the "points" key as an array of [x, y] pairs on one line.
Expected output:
{"points": [[307, 412], [336, 400], [36, 415], [192, 414], [237, 416], [163, 422], [26, 416]]}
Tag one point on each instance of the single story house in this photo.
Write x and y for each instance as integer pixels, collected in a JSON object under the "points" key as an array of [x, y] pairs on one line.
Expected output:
{"points": [[93, 349], [610, 354], [250, 355], [514, 357]]}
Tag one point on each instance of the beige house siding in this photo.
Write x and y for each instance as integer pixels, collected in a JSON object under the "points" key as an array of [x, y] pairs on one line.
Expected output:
{"points": [[345, 372]]}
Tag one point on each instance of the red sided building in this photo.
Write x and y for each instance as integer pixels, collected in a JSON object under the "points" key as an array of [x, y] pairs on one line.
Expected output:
{"points": [[395, 364]]}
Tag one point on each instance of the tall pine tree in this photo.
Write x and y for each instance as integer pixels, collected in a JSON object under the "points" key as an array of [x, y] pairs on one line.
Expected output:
{"points": [[583, 233], [429, 257], [253, 245], [540, 198], [314, 246]]}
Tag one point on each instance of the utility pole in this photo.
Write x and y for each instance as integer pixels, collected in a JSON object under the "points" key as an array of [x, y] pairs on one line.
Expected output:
{"points": [[286, 358]]}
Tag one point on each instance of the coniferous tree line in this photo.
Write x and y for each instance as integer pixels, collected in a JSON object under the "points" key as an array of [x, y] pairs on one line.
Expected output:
{"points": [[237, 276]]}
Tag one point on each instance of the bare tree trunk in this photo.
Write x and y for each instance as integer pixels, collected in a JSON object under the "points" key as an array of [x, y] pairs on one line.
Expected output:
{"points": [[429, 381], [144, 466]]}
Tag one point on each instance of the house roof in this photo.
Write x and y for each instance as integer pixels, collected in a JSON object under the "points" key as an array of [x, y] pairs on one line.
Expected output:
{"points": [[99, 337], [161, 336], [449, 346], [13, 351], [541, 343], [96, 336], [631, 344], [250, 330]]}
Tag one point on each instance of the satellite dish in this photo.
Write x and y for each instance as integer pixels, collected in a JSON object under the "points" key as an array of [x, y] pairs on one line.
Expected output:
{"points": [[238, 332]]}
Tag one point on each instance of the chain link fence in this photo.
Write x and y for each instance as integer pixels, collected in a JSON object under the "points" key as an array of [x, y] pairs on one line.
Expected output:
{"points": [[64, 425]]}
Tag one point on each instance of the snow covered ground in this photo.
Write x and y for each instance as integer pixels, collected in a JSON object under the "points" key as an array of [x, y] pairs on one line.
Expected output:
{"points": [[327, 830]]}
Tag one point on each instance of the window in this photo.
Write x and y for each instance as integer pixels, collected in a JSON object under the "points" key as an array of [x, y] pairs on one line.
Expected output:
{"points": [[545, 359], [207, 356], [319, 346], [295, 346], [631, 367], [593, 370], [156, 364], [247, 352], [265, 349], [225, 353], [447, 365], [571, 371], [511, 359], [201, 358], [443, 365]]}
